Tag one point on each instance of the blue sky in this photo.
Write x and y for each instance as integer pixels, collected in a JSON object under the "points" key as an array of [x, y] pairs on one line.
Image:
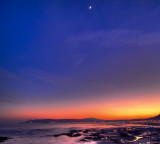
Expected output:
{"points": [[60, 52]]}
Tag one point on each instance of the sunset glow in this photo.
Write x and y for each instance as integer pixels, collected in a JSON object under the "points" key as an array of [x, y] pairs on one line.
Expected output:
{"points": [[109, 109]]}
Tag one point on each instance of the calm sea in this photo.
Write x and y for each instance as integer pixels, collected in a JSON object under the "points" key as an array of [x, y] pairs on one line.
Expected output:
{"points": [[43, 133]]}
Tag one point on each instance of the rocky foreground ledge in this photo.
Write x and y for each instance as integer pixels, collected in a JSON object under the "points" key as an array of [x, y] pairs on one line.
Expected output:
{"points": [[129, 135], [2, 139]]}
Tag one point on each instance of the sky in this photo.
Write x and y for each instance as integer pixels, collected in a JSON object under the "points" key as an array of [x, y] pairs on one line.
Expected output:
{"points": [[79, 59]]}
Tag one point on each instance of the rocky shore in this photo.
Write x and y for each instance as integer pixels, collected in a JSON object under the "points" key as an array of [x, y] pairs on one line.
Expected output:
{"points": [[129, 135], [2, 139]]}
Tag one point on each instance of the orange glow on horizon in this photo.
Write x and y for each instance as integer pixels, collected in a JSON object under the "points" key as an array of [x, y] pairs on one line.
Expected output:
{"points": [[121, 108]]}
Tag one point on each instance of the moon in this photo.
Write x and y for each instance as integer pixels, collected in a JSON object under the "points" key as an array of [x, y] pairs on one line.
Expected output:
{"points": [[90, 7]]}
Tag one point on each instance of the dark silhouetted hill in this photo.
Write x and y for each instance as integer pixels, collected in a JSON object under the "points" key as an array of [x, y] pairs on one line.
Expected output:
{"points": [[155, 118], [64, 120], [85, 120]]}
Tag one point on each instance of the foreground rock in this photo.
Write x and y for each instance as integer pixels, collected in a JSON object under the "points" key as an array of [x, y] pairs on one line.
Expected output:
{"points": [[73, 133], [2, 139]]}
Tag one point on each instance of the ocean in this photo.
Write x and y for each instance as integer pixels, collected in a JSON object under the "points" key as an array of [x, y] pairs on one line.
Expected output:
{"points": [[44, 133]]}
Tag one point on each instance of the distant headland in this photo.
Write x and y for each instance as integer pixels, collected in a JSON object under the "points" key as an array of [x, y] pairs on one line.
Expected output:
{"points": [[152, 121]]}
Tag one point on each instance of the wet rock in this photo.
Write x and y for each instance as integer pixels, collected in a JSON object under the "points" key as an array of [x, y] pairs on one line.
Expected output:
{"points": [[86, 131], [115, 140], [135, 132], [86, 139], [71, 134], [99, 137], [116, 135], [128, 137], [57, 135], [93, 137], [103, 131], [95, 134], [2, 139], [124, 135]]}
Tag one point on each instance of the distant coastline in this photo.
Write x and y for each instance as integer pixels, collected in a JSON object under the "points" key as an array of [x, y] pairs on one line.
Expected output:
{"points": [[148, 121]]}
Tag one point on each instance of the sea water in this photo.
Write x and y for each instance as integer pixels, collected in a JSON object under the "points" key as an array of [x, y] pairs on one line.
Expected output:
{"points": [[43, 133]]}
